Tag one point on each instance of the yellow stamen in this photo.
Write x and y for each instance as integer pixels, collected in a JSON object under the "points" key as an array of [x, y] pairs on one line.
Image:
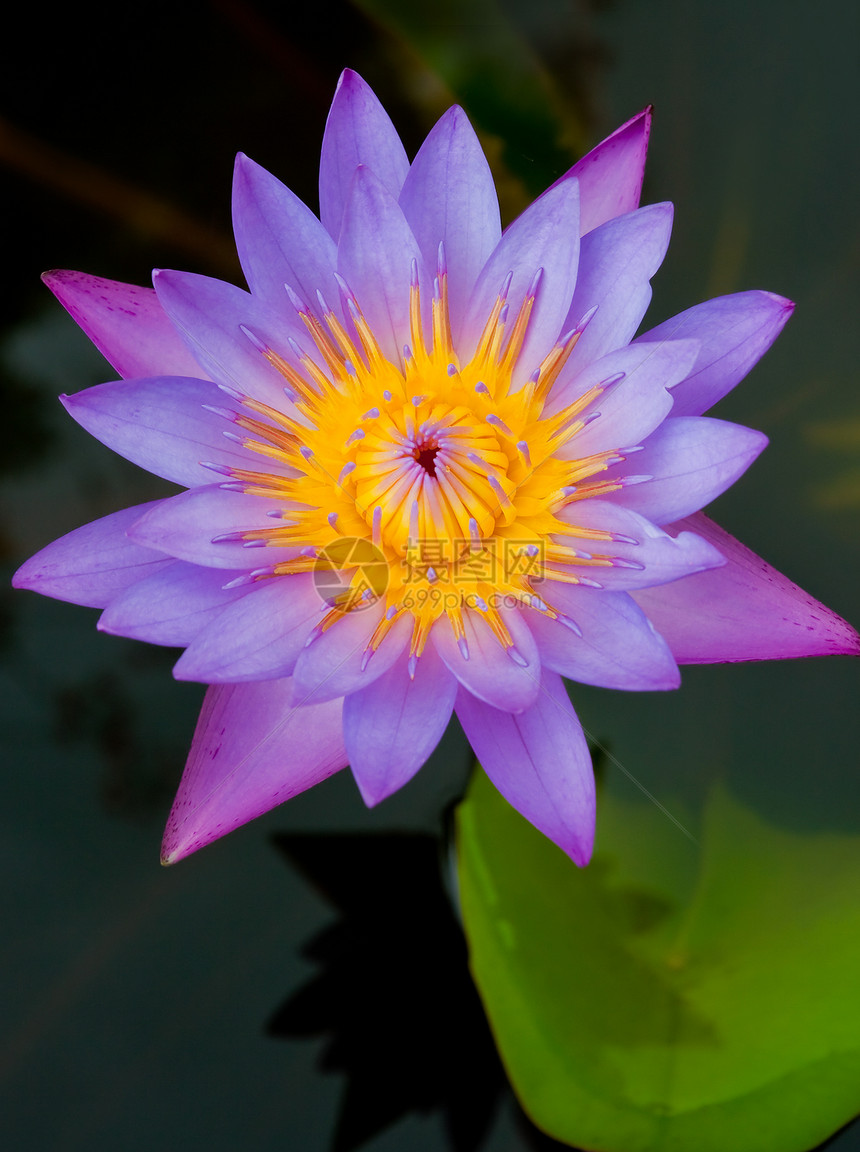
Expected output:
{"points": [[449, 477]]}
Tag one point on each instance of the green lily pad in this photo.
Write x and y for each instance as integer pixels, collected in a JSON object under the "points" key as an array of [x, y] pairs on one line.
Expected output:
{"points": [[673, 996]]}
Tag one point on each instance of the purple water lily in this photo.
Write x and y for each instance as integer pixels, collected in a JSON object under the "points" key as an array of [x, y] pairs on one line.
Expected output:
{"points": [[427, 468]]}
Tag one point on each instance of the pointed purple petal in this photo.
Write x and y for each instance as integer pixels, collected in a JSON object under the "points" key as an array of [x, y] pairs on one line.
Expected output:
{"points": [[540, 763], [257, 638], [279, 239], [392, 726], [92, 564], [336, 663], [161, 424], [126, 323], [743, 611], [545, 236], [375, 257], [634, 406], [172, 606], [449, 197], [187, 526], [619, 647], [251, 751], [209, 314], [616, 264], [655, 557], [692, 459], [610, 175], [734, 333], [490, 673], [358, 132]]}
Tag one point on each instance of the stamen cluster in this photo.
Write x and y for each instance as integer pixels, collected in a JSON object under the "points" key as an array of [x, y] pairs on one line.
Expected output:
{"points": [[447, 470]]}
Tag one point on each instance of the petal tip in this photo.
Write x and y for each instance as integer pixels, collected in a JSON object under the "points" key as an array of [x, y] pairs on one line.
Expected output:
{"points": [[581, 854], [350, 82], [172, 853], [27, 576], [55, 276], [371, 792]]}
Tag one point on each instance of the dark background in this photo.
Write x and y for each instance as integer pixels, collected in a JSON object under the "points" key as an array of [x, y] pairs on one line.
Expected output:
{"points": [[144, 1008]]}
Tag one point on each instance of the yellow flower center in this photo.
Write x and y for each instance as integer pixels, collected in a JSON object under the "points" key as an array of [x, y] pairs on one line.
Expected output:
{"points": [[431, 483]]}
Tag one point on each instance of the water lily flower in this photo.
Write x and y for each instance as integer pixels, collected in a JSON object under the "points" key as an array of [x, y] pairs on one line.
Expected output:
{"points": [[428, 467]]}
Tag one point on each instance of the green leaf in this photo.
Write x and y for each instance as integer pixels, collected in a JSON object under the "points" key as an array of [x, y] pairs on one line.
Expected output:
{"points": [[673, 996]]}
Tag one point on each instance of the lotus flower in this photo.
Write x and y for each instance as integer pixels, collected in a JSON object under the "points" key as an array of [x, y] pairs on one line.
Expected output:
{"points": [[428, 468]]}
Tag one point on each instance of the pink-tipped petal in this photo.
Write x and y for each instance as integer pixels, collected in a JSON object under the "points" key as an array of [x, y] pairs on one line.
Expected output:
{"points": [[375, 256], [745, 610], [545, 236], [692, 459], [509, 681], [337, 663], [616, 263], [734, 332], [125, 322], [279, 240], [257, 638], [610, 175], [358, 132], [187, 527], [449, 198], [252, 750], [161, 424], [92, 564], [172, 606], [618, 648], [391, 726], [539, 761], [648, 555]]}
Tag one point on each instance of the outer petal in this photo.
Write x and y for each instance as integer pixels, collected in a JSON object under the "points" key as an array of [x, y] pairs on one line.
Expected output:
{"points": [[610, 176], [332, 665], [692, 459], [162, 425], [734, 332], [743, 611], [632, 408], [540, 763], [251, 751], [257, 638], [375, 256], [279, 239], [489, 673], [545, 236], [643, 554], [126, 323], [619, 647], [187, 527], [208, 313], [616, 264], [449, 197], [358, 131], [392, 726], [92, 564], [172, 606]]}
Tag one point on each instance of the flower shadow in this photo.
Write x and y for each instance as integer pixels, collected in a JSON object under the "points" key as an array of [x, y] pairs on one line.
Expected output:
{"points": [[394, 996]]}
